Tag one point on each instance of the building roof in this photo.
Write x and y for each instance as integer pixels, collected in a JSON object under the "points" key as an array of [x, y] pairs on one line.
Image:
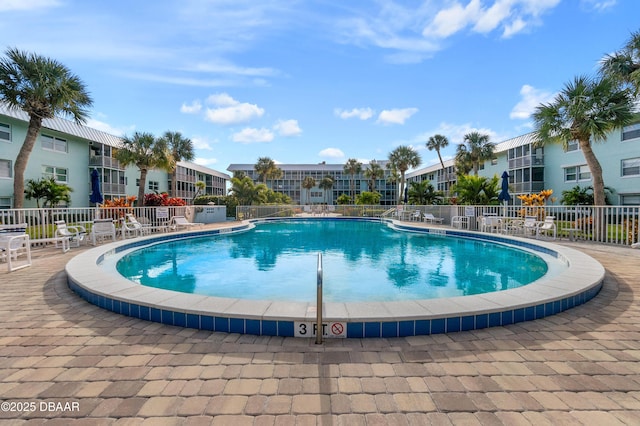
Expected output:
{"points": [[89, 134]]}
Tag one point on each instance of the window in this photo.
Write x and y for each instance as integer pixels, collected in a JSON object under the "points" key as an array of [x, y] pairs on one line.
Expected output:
{"points": [[5, 132], [572, 146], [51, 143], [154, 185], [631, 132], [58, 173], [494, 161], [629, 199], [631, 167], [5, 169], [5, 203], [576, 173]]}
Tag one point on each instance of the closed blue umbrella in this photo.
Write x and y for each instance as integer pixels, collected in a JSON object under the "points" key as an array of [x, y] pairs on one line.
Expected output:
{"points": [[96, 194], [406, 194], [504, 194]]}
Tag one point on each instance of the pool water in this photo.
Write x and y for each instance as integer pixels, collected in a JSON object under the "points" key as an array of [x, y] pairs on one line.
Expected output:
{"points": [[362, 261]]}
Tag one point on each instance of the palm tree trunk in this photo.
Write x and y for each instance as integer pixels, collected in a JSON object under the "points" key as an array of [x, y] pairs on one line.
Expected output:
{"points": [[174, 184], [143, 183], [440, 158], [35, 124], [596, 173]]}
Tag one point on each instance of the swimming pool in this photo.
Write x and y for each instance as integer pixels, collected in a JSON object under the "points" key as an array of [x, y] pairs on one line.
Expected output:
{"points": [[549, 295], [363, 261]]}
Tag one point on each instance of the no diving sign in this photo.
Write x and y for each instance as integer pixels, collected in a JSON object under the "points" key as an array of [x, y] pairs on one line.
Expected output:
{"points": [[330, 329]]}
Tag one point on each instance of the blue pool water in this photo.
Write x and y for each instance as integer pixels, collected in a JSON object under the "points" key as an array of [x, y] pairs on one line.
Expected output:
{"points": [[363, 261]]}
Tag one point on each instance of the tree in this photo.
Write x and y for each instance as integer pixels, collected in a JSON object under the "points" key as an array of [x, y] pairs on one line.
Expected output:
{"points": [[200, 187], [438, 142], [624, 65], [585, 109], [48, 189], [43, 88], [308, 183], [423, 193], [343, 199], [267, 169], [400, 160], [352, 168], [145, 152], [473, 189], [368, 198], [373, 173], [326, 184], [180, 149], [246, 192], [478, 148]]}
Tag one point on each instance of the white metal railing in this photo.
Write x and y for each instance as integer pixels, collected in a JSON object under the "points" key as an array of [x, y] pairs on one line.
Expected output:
{"points": [[319, 327], [41, 221]]}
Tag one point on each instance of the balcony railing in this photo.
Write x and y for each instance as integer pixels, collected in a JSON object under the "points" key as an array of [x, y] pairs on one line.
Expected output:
{"points": [[104, 161]]}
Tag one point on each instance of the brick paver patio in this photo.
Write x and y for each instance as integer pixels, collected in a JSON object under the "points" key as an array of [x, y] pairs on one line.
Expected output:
{"points": [[64, 361]]}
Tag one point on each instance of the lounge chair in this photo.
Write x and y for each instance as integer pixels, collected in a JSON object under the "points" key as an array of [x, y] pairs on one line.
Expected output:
{"points": [[181, 222], [546, 227], [74, 234], [101, 229], [14, 242], [430, 218], [131, 226], [530, 225], [417, 215]]}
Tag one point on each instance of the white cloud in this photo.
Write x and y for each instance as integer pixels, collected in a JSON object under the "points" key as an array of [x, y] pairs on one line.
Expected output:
{"points": [[449, 21], [206, 161], [531, 98], [331, 153], [252, 135], [202, 143], [288, 128], [107, 128], [194, 108], [396, 116], [6, 5], [598, 5], [230, 111], [361, 113]]}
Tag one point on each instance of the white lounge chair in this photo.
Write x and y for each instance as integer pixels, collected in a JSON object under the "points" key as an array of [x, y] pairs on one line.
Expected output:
{"points": [[14, 242], [430, 218], [101, 229], [131, 226], [530, 225], [546, 227], [74, 234], [181, 222], [417, 215]]}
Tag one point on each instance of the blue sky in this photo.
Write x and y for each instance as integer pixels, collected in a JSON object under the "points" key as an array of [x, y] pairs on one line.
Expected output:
{"points": [[324, 80]]}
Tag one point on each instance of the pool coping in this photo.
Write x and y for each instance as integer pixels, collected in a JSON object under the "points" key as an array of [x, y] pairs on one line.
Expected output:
{"points": [[580, 282]]}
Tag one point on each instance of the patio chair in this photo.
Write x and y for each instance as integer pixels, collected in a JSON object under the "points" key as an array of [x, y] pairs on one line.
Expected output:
{"points": [[430, 218], [417, 215], [131, 226], [14, 242], [102, 229], [181, 222], [490, 223], [74, 234], [460, 222], [530, 225], [549, 225]]}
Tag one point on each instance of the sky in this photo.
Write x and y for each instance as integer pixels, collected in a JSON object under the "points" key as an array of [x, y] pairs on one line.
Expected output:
{"points": [[319, 80]]}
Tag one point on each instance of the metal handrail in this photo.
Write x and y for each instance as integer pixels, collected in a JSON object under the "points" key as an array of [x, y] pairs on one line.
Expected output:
{"points": [[319, 302]]}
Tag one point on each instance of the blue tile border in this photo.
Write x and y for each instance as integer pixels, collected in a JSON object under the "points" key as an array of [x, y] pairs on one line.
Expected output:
{"points": [[355, 328]]}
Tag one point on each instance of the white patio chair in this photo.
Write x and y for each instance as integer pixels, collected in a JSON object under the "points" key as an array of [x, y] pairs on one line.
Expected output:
{"points": [[417, 215], [102, 229], [530, 225], [430, 218], [546, 227], [131, 226], [75, 234], [460, 222], [181, 222], [14, 242]]}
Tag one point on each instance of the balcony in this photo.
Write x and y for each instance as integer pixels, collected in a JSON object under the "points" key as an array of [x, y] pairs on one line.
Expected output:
{"points": [[104, 161]]}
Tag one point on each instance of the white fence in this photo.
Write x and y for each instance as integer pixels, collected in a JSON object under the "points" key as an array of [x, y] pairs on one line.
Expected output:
{"points": [[605, 224], [41, 221]]}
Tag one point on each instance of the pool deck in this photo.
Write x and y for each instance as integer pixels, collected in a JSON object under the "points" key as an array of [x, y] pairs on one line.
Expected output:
{"points": [[581, 366]]}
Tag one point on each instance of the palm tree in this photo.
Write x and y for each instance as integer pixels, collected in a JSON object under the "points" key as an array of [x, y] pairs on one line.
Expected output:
{"points": [[146, 153], [308, 183], [180, 149], [43, 88], [267, 169], [624, 65], [477, 189], [352, 168], [326, 184], [423, 193], [48, 189], [436, 143], [400, 160], [373, 173], [585, 109], [246, 192], [477, 150]]}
